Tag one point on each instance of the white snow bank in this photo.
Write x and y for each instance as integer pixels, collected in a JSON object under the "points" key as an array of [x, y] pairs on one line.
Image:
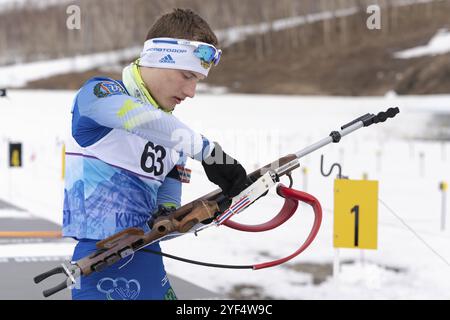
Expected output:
{"points": [[439, 44]]}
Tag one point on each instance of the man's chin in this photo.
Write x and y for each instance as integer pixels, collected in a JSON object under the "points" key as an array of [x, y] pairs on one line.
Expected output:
{"points": [[169, 108]]}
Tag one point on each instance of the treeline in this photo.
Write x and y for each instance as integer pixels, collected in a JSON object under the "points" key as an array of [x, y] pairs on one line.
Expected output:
{"points": [[30, 33], [347, 28]]}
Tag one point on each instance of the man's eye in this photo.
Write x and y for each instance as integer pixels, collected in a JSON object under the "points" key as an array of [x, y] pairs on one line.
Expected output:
{"points": [[187, 76]]}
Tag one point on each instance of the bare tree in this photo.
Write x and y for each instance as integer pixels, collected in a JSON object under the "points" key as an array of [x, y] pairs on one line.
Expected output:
{"points": [[31, 33]]}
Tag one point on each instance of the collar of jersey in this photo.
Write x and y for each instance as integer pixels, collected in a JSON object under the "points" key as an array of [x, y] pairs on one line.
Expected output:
{"points": [[139, 82]]}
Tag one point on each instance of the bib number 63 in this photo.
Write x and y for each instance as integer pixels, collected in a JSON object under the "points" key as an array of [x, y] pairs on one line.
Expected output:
{"points": [[152, 159]]}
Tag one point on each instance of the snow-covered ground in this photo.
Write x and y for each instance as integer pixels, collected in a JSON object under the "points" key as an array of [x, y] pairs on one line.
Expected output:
{"points": [[17, 75], [438, 44], [256, 130]]}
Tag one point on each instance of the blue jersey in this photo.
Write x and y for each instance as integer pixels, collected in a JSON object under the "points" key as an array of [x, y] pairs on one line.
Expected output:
{"points": [[125, 157]]}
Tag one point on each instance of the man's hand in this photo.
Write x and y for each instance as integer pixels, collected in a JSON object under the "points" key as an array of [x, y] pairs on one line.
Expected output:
{"points": [[161, 211], [226, 172]]}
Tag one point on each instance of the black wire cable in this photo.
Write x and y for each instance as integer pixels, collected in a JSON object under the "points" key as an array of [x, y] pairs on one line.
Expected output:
{"points": [[206, 264]]}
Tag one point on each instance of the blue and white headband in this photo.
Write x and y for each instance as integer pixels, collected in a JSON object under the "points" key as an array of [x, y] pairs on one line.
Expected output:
{"points": [[180, 54]]}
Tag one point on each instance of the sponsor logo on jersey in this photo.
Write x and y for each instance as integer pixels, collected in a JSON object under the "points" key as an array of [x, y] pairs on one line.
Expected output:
{"points": [[107, 88], [119, 288]]}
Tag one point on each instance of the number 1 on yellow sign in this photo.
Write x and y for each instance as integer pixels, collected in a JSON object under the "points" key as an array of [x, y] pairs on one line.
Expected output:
{"points": [[355, 214]]}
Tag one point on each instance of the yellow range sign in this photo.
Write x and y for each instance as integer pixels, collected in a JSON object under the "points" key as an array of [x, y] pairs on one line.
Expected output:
{"points": [[355, 214], [15, 154]]}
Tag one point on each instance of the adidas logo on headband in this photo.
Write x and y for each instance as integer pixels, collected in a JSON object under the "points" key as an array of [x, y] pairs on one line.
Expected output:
{"points": [[167, 59], [182, 54]]}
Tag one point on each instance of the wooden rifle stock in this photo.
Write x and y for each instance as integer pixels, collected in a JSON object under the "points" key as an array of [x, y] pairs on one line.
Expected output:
{"points": [[126, 242]]}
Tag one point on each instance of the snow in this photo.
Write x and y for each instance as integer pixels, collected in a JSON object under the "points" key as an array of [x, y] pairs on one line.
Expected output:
{"points": [[438, 44], [257, 129], [18, 75], [13, 213], [37, 250], [239, 33]]}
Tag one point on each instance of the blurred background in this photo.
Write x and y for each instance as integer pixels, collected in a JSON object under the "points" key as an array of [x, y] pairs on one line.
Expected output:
{"points": [[291, 72], [318, 47]]}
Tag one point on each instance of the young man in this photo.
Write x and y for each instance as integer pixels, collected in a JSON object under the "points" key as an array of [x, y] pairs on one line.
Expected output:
{"points": [[127, 156]]}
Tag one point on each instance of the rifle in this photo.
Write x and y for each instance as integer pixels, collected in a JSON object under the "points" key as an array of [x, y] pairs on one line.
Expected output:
{"points": [[215, 209]]}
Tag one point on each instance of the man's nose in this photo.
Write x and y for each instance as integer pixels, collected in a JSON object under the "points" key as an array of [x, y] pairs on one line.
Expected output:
{"points": [[189, 89]]}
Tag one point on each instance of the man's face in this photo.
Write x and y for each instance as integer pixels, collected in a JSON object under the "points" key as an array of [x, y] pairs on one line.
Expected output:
{"points": [[170, 87]]}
